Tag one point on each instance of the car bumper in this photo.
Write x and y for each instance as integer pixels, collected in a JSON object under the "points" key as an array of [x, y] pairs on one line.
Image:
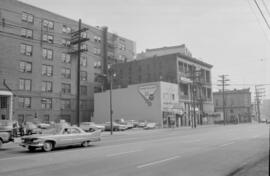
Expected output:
{"points": [[31, 145]]}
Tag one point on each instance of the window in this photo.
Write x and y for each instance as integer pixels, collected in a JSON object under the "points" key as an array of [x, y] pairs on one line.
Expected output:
{"points": [[46, 86], [97, 51], [47, 70], [83, 76], [47, 38], [47, 54], [66, 42], [97, 39], [65, 58], [66, 88], [84, 61], [27, 33], [122, 47], [122, 58], [26, 49], [66, 29], [25, 84], [83, 104], [209, 93], [46, 103], [48, 24], [25, 67], [24, 102], [27, 17], [65, 104], [3, 102], [97, 64], [66, 73], [83, 90], [207, 76], [84, 35], [84, 47]]}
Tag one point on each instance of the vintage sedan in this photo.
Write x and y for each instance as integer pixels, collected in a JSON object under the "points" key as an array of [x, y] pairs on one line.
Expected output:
{"points": [[60, 137]]}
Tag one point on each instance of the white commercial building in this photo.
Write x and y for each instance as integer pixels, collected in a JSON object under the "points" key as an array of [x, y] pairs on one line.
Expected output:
{"points": [[155, 101]]}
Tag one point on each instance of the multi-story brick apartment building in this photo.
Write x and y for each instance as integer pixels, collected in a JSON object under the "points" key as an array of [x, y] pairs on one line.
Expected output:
{"points": [[238, 107], [38, 69], [171, 64]]}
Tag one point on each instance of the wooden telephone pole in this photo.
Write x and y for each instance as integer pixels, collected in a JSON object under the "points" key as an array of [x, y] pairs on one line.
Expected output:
{"points": [[223, 81], [77, 38]]}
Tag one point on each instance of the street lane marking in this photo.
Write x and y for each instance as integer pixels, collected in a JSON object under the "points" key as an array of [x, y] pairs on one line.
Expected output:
{"points": [[223, 145], [123, 153], [157, 162]]}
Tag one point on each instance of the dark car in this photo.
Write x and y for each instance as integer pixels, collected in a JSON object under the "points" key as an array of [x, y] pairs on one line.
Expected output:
{"points": [[31, 128]]}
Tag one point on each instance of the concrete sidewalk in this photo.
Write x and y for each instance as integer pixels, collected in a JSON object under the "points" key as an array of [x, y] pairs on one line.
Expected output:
{"points": [[259, 168]]}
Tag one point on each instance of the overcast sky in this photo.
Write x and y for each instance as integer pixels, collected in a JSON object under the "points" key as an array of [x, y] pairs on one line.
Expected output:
{"points": [[229, 34]]}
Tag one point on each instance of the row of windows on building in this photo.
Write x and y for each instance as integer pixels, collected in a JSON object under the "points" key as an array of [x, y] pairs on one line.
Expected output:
{"points": [[27, 50], [48, 24], [47, 86], [46, 103], [185, 68], [47, 70]]}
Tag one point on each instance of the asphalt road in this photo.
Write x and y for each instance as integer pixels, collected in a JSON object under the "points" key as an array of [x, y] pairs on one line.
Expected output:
{"points": [[209, 151]]}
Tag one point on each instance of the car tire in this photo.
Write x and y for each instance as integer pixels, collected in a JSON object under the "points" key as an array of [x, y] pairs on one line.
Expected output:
{"points": [[85, 144], [31, 149], [47, 146]]}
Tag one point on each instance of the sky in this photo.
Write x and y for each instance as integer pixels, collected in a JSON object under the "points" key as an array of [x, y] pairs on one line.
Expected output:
{"points": [[229, 34]]}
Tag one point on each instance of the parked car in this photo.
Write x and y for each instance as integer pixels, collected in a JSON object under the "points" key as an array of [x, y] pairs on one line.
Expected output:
{"points": [[5, 137], [91, 126], [43, 125], [116, 126], [134, 123], [125, 124], [31, 128], [142, 123], [59, 137], [150, 125], [10, 126]]}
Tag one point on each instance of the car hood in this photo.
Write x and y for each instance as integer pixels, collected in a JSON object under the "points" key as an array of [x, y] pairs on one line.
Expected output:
{"points": [[40, 136]]}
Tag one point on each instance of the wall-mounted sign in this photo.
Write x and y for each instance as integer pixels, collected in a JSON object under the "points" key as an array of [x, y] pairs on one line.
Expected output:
{"points": [[148, 93]]}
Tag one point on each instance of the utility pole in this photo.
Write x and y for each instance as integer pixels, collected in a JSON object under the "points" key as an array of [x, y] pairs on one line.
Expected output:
{"points": [[77, 38], [223, 81], [259, 93], [194, 77]]}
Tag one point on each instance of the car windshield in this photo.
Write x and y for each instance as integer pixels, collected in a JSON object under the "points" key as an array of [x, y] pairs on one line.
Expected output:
{"points": [[52, 131]]}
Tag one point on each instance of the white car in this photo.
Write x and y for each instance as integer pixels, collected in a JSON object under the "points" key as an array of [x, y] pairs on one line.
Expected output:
{"points": [[91, 126], [59, 137], [149, 126]]}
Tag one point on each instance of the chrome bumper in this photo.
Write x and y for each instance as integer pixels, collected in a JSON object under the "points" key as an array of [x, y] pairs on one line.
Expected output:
{"points": [[26, 145]]}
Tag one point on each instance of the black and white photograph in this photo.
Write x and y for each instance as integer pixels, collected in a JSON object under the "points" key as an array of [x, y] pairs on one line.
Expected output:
{"points": [[134, 87]]}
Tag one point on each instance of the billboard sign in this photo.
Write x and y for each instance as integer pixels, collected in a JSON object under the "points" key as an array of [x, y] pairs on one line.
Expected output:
{"points": [[148, 93]]}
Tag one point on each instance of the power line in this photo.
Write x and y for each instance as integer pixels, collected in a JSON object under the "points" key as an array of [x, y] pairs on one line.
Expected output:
{"points": [[266, 22], [258, 21], [266, 8]]}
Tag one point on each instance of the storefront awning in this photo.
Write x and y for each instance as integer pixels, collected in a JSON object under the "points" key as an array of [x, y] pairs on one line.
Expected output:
{"points": [[6, 93]]}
